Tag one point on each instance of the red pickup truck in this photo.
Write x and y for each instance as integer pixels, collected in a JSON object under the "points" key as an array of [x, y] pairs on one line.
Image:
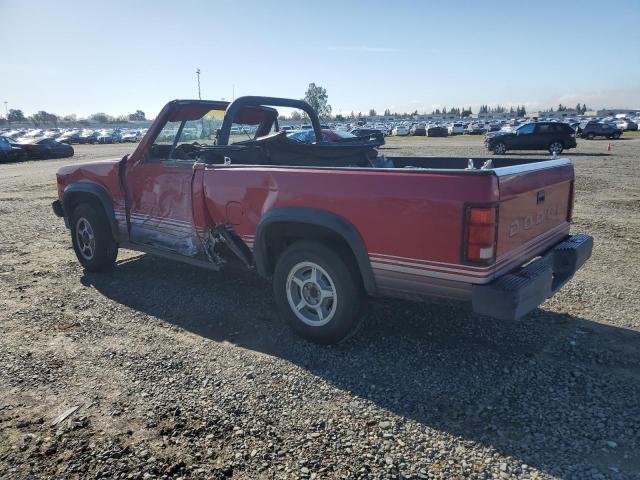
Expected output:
{"points": [[215, 184]]}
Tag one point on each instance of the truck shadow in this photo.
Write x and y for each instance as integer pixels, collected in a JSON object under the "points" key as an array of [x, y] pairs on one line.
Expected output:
{"points": [[550, 390], [563, 154]]}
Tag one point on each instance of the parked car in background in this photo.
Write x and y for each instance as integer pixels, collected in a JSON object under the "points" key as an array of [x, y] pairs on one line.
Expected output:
{"points": [[130, 137], [371, 133], [88, 136], [105, 136], [11, 153], [456, 128], [626, 124], [44, 148], [69, 138], [418, 129], [400, 130], [592, 130], [551, 136], [476, 128], [437, 131]]}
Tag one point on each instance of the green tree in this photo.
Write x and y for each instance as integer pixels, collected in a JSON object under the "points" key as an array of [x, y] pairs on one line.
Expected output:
{"points": [[138, 116], [101, 117], [43, 117], [387, 112], [372, 112], [317, 97], [16, 115]]}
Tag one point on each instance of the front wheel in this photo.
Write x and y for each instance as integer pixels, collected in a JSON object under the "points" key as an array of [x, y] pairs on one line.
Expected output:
{"points": [[616, 136], [500, 148], [591, 136], [92, 239], [556, 148], [318, 292]]}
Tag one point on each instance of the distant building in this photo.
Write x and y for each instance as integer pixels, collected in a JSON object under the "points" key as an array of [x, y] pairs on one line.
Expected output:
{"points": [[489, 116], [569, 113], [612, 112]]}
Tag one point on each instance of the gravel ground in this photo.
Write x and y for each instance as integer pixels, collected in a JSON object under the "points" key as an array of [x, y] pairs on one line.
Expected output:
{"points": [[180, 372]]}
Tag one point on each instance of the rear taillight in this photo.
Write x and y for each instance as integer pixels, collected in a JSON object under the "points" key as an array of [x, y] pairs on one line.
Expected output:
{"points": [[572, 194], [480, 234]]}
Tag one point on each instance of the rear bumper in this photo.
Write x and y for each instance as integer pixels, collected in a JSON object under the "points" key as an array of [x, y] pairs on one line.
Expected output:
{"points": [[514, 295]]}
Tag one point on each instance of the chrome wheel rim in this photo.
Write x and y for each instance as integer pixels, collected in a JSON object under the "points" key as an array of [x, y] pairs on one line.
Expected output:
{"points": [[85, 238], [311, 294], [555, 147]]}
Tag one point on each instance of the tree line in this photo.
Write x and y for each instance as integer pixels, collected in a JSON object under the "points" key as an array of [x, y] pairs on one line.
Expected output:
{"points": [[315, 95], [42, 118]]}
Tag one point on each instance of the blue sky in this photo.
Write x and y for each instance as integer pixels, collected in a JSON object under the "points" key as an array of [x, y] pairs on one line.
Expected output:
{"points": [[118, 56]]}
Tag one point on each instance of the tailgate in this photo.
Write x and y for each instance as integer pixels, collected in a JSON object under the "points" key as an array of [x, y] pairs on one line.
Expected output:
{"points": [[535, 208]]}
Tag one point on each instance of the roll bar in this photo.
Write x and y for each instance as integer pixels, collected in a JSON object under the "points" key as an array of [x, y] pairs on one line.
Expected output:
{"points": [[255, 101]]}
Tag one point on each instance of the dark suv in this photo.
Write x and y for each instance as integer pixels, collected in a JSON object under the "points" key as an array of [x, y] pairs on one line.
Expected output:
{"points": [[552, 136], [596, 129]]}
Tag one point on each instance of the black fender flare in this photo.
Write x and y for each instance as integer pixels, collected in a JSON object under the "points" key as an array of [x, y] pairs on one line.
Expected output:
{"points": [[99, 193], [322, 218]]}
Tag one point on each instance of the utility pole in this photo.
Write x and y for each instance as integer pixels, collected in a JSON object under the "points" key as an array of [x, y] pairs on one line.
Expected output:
{"points": [[198, 74]]}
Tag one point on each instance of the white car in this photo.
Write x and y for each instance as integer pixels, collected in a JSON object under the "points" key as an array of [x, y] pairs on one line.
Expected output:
{"points": [[626, 124], [400, 130], [456, 129]]}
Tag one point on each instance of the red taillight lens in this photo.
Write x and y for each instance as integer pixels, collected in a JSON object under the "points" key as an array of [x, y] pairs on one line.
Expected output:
{"points": [[572, 195], [480, 241]]}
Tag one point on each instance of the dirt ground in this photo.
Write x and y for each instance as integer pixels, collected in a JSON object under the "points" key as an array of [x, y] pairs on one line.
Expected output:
{"points": [[180, 372]]}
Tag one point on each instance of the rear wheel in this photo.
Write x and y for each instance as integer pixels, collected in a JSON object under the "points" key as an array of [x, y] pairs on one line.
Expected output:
{"points": [[318, 292], [591, 135], [555, 148], [91, 237], [500, 148], [616, 136]]}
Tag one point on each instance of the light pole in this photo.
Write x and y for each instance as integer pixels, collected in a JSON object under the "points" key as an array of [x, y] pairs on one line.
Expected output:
{"points": [[198, 74]]}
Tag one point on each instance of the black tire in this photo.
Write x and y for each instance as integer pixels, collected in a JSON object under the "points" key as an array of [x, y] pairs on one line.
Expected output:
{"points": [[499, 148], [591, 136], [344, 315], [104, 252], [616, 136], [556, 147]]}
